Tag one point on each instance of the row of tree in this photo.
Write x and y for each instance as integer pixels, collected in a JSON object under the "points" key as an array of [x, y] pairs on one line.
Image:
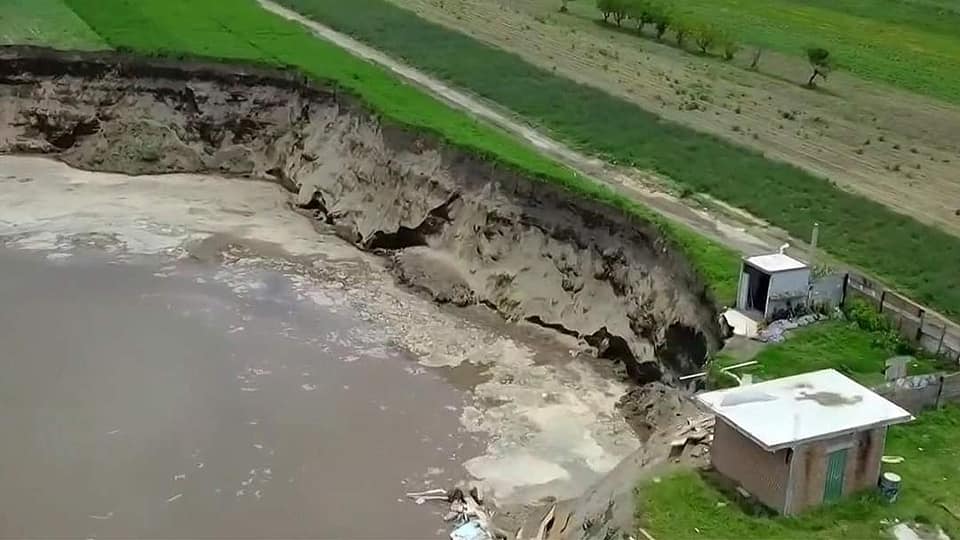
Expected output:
{"points": [[707, 36], [659, 15]]}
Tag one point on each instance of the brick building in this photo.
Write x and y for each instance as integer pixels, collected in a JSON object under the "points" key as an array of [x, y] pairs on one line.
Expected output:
{"points": [[800, 441]]}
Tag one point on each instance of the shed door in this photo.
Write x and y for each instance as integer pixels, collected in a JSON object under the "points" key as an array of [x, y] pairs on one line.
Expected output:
{"points": [[836, 466]]}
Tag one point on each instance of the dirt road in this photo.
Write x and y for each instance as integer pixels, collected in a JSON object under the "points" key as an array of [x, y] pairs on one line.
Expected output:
{"points": [[885, 144], [738, 235]]}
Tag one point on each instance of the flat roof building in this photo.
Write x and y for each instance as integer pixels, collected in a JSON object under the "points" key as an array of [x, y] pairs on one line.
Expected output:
{"points": [[800, 441]]}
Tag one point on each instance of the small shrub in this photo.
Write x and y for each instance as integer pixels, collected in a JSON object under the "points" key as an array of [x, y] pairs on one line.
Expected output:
{"points": [[682, 29], [865, 317], [820, 63], [706, 36], [730, 48]]}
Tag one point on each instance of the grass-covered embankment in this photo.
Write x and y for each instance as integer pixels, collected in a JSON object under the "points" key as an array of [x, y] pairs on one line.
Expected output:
{"points": [[687, 504], [858, 345], [45, 22], [836, 344], [864, 233], [241, 30]]}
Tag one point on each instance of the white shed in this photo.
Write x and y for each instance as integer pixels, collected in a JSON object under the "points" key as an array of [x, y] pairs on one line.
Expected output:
{"points": [[772, 284]]}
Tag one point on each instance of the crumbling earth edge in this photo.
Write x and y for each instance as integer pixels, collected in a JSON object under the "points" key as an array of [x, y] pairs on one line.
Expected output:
{"points": [[462, 228]]}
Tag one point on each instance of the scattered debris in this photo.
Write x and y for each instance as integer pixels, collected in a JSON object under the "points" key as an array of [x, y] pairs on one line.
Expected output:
{"points": [[467, 512], [472, 530], [892, 459], [775, 332], [696, 433]]}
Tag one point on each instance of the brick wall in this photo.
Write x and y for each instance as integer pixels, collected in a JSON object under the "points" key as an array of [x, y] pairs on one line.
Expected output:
{"points": [[762, 473], [864, 450]]}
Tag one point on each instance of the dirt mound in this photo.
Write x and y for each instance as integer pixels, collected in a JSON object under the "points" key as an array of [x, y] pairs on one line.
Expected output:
{"points": [[462, 228], [652, 406]]}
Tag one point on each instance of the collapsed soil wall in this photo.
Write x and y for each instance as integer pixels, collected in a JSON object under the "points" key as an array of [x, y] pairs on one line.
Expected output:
{"points": [[456, 226]]}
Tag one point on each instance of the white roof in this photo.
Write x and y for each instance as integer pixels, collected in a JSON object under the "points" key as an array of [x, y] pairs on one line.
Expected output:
{"points": [[785, 412], [776, 262]]}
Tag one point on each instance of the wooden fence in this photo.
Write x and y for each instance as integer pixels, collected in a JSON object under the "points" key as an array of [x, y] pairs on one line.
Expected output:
{"points": [[920, 392], [923, 329]]}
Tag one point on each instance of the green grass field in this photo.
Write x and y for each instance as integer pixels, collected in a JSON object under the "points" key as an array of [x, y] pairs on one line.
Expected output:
{"points": [[45, 22], [913, 44], [687, 505], [837, 344], [239, 29], [854, 229]]}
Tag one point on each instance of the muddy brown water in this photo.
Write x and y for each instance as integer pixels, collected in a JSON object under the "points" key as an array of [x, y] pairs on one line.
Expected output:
{"points": [[144, 399]]}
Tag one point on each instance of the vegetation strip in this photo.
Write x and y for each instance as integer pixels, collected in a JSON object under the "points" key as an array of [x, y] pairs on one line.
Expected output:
{"points": [[244, 31], [895, 247], [857, 345]]}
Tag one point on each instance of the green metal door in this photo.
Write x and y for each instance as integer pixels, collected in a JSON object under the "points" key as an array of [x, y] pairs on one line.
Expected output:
{"points": [[836, 466]]}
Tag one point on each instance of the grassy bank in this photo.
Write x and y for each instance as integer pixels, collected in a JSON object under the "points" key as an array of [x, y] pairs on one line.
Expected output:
{"points": [[837, 344], [45, 22], [857, 230], [688, 504], [241, 30]]}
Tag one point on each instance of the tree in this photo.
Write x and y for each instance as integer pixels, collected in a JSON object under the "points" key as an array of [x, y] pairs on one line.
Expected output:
{"points": [[706, 36], [620, 10], [606, 7], [640, 11], [661, 21], [820, 62], [682, 28], [729, 45], [755, 63]]}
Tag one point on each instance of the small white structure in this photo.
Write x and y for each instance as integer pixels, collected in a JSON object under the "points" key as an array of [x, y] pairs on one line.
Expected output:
{"points": [[772, 284]]}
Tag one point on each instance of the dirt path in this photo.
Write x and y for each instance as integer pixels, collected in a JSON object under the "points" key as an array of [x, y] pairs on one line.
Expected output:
{"points": [[635, 184], [885, 144]]}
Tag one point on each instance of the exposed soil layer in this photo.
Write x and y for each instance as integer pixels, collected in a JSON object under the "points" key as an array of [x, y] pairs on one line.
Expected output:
{"points": [[462, 228]]}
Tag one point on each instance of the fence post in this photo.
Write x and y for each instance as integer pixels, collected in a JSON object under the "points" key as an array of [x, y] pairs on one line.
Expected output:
{"points": [[843, 293], [942, 335], [883, 296], [939, 392], [921, 313]]}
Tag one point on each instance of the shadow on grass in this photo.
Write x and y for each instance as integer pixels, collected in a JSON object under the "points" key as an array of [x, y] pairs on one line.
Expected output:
{"points": [[646, 36], [799, 84]]}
